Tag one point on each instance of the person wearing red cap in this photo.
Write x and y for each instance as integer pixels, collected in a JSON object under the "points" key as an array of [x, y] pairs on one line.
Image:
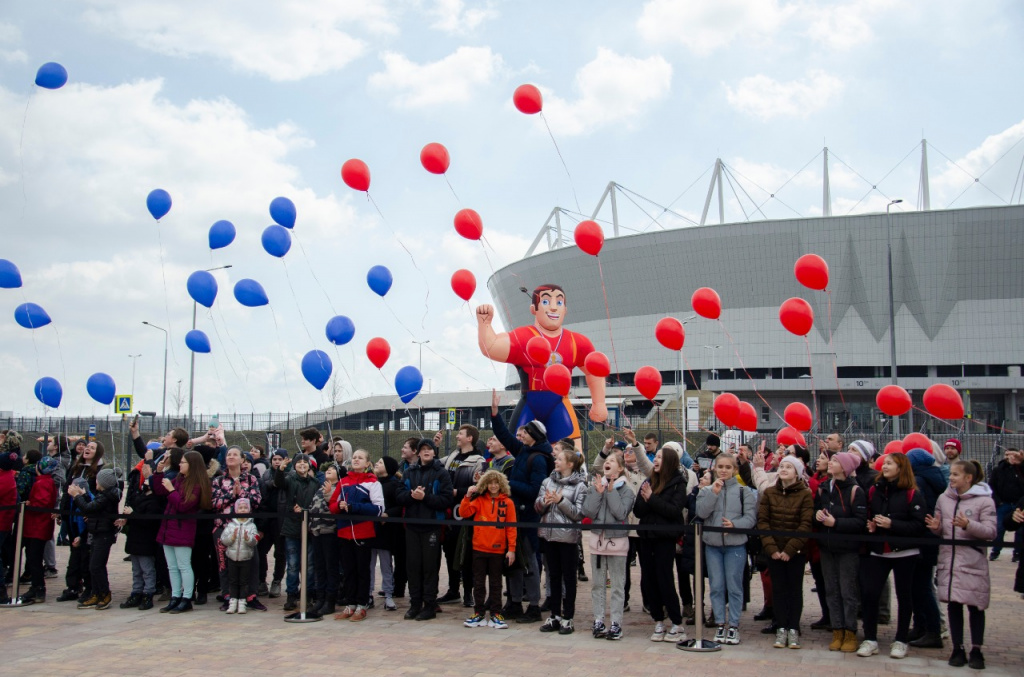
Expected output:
{"points": [[952, 449]]}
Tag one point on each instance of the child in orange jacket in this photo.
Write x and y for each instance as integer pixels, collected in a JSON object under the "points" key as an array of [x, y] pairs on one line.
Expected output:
{"points": [[489, 501]]}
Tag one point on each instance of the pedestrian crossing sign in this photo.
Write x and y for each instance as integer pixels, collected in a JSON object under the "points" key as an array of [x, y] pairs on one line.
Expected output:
{"points": [[123, 404]]}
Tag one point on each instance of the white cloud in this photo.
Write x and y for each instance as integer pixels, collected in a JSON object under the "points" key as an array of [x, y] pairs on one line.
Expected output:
{"points": [[10, 36], [612, 88], [452, 16], [951, 179], [453, 79], [280, 40], [704, 27], [767, 98], [843, 25]]}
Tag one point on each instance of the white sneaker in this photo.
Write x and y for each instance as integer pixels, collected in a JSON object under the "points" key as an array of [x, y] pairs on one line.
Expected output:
{"points": [[675, 634], [241, 606], [232, 606], [898, 650], [720, 634], [780, 639], [659, 633], [868, 647], [794, 639], [732, 636]]}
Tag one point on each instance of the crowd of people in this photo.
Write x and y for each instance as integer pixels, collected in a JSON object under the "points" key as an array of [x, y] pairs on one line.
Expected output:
{"points": [[199, 516]]}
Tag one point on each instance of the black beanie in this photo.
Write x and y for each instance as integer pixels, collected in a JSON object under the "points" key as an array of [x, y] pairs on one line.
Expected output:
{"points": [[390, 464]]}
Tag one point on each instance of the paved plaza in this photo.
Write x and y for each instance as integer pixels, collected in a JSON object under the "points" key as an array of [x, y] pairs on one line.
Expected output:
{"points": [[57, 639]]}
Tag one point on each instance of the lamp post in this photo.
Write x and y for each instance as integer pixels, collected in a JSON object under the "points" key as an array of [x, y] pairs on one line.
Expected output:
{"points": [[679, 380], [892, 307], [192, 360], [134, 357], [714, 372], [420, 344], [163, 412]]}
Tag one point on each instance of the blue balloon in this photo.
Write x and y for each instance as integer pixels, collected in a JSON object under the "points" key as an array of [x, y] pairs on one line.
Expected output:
{"points": [[158, 202], [250, 293], [197, 341], [340, 330], [10, 276], [282, 210], [408, 383], [317, 368], [31, 316], [222, 234], [202, 287], [277, 240], [153, 446], [101, 388], [51, 75], [379, 278], [49, 392]]}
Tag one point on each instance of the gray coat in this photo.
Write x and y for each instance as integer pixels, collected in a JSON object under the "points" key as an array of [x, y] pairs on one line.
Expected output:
{"points": [[729, 503], [239, 539], [567, 511], [612, 506]]}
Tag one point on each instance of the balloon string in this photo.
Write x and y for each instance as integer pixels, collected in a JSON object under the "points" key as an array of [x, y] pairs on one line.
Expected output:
{"points": [[415, 421], [351, 381], [297, 306], [744, 367], [810, 370], [60, 353], [426, 282], [831, 350], [167, 307], [284, 368], [312, 271], [21, 155], [241, 355], [213, 321], [35, 347], [453, 193], [564, 165]]}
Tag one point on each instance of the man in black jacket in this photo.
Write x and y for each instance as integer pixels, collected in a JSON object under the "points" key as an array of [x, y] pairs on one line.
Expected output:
{"points": [[426, 493], [1007, 482]]}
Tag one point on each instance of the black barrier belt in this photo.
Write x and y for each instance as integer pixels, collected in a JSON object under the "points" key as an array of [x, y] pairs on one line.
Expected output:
{"points": [[831, 537]]}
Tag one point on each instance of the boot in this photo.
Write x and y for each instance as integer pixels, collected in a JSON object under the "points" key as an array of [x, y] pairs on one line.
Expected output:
{"points": [[242, 606], [89, 603], [104, 602], [173, 603], [328, 607], [512, 611], [232, 606], [184, 604], [928, 640], [133, 601], [34, 596], [975, 660], [837, 640], [69, 595], [275, 589], [849, 642], [292, 603], [531, 615], [146, 603]]}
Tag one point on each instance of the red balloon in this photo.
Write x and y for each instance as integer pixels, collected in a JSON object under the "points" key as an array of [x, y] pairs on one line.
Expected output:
{"points": [[878, 463], [727, 409], [463, 284], [942, 401], [917, 441], [356, 175], [789, 435], [589, 237], [893, 400], [527, 99], [811, 271], [798, 416], [558, 379], [434, 158], [796, 316], [468, 224], [378, 350], [648, 381], [894, 447], [747, 418], [706, 303], [670, 333], [597, 364], [538, 350]]}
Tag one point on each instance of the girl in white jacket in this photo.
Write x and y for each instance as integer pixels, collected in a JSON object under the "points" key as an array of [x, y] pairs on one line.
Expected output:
{"points": [[239, 539]]}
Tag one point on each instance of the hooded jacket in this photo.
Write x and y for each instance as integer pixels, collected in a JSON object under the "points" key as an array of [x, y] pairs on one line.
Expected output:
{"points": [[783, 508], [389, 533], [43, 494], [239, 539], [176, 532], [614, 505], [569, 510], [847, 503], [362, 492], [438, 496], [294, 490], [662, 508], [101, 512], [735, 503], [963, 568], [905, 507], [532, 465], [487, 508]]}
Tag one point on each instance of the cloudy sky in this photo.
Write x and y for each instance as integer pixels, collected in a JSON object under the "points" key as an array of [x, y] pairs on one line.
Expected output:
{"points": [[227, 105]]}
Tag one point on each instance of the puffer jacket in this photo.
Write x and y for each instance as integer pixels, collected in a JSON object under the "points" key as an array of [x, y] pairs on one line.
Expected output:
{"points": [[43, 494], [665, 507], [567, 511], [848, 504], [239, 539], [783, 508], [487, 508], [963, 568], [614, 505], [362, 492], [735, 503], [101, 512], [327, 524], [438, 496], [905, 507], [298, 491]]}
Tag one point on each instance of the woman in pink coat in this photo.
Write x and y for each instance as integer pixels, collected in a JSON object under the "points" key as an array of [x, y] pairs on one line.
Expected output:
{"points": [[965, 512]]}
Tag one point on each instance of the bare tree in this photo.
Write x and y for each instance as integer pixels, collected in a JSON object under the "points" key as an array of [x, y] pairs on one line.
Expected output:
{"points": [[178, 397], [335, 390]]}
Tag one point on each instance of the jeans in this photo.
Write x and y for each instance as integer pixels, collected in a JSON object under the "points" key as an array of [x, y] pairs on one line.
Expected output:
{"points": [[562, 559], [1018, 539], [840, 571], [143, 574], [657, 584], [293, 553], [387, 572], [787, 591], [50, 554], [179, 567], [608, 567], [725, 577]]}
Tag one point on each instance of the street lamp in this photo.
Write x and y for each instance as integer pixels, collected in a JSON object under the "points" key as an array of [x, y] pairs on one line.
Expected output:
{"points": [[134, 357], [679, 378], [892, 307], [166, 336], [714, 372], [420, 343], [192, 361]]}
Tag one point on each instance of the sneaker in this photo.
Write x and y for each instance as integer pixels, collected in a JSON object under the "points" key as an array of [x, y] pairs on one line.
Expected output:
{"points": [[381, 593], [133, 601], [732, 636], [898, 650], [292, 603], [345, 613], [467, 601], [614, 632], [644, 609], [451, 596], [263, 590], [498, 622], [958, 658], [232, 606], [625, 608], [370, 604], [389, 604], [868, 647], [429, 613], [675, 634], [823, 623], [531, 615], [794, 639], [581, 575], [780, 639], [659, 633], [255, 604], [242, 605], [358, 615], [146, 603], [413, 612], [567, 627], [598, 630], [90, 603], [103, 603], [975, 660], [993, 556], [225, 605], [550, 625], [275, 589], [51, 572], [69, 595], [475, 621], [720, 634]]}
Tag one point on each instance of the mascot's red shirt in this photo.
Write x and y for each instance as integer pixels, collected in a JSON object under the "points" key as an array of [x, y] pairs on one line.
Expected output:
{"points": [[568, 348]]}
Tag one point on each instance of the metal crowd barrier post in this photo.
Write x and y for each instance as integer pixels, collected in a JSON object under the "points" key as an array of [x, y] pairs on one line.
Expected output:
{"points": [[15, 601], [698, 643], [301, 616]]}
